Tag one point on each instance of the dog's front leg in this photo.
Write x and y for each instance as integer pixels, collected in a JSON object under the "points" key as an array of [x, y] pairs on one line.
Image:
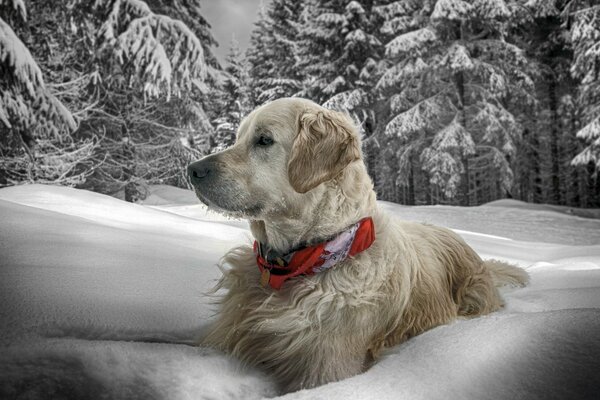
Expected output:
{"points": [[322, 357]]}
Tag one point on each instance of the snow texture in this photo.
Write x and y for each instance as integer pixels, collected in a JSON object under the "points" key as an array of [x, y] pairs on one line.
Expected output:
{"points": [[457, 59], [159, 47], [104, 299], [417, 118], [27, 76], [453, 10], [413, 41]]}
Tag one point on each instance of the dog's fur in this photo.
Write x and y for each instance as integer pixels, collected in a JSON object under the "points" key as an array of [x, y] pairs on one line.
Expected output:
{"points": [[309, 185]]}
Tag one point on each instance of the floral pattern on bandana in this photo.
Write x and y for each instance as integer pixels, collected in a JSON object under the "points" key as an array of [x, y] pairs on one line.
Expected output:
{"points": [[337, 249]]}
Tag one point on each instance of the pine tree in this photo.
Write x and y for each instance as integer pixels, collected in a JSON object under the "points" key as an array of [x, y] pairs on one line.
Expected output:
{"points": [[260, 56], [584, 17], [155, 74], [157, 53], [454, 82], [272, 55], [233, 98], [320, 47], [339, 53], [137, 83], [35, 126]]}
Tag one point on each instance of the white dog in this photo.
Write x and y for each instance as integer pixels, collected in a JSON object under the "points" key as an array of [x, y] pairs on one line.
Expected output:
{"points": [[331, 279]]}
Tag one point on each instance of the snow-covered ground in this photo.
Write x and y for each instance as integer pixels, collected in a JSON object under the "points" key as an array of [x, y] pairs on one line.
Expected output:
{"points": [[102, 299]]}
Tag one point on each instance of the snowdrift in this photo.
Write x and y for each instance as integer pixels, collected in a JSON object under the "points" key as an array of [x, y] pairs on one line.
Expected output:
{"points": [[104, 299]]}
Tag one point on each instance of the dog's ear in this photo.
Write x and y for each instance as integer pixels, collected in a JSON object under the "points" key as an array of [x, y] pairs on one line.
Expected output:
{"points": [[325, 144]]}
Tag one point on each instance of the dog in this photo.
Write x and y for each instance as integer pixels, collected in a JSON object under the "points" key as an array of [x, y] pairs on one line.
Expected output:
{"points": [[331, 280]]}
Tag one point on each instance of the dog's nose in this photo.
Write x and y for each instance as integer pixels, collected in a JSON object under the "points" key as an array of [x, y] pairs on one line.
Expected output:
{"points": [[198, 171]]}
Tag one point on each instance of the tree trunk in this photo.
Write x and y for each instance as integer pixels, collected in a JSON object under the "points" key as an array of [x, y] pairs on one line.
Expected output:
{"points": [[536, 167], [411, 185], [459, 79], [554, 156]]}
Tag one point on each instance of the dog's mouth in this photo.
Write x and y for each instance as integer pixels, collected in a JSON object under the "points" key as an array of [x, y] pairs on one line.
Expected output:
{"points": [[230, 210]]}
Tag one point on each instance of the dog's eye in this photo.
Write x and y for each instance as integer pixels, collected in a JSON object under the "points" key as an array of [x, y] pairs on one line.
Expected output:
{"points": [[264, 141]]}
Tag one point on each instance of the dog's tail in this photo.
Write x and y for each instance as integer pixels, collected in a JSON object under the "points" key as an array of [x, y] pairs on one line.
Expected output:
{"points": [[505, 274]]}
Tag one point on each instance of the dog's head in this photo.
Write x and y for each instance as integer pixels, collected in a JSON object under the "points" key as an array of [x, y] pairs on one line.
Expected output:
{"points": [[285, 150]]}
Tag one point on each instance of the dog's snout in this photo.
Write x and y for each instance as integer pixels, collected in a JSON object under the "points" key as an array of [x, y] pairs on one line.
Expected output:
{"points": [[199, 170]]}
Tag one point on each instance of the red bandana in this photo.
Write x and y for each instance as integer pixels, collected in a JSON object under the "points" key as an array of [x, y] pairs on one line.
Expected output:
{"points": [[276, 269]]}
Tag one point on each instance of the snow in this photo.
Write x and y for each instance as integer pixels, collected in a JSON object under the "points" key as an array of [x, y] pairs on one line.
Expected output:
{"points": [[24, 79], [104, 299], [17, 56], [492, 9], [542, 8], [416, 118], [454, 136], [152, 44], [400, 73], [451, 10], [458, 59], [413, 41], [590, 133]]}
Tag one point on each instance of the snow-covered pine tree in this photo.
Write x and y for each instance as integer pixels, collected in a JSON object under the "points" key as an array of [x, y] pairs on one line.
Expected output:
{"points": [[340, 54], [233, 98], [156, 53], [272, 54], [190, 13], [260, 56], [285, 80], [154, 74], [583, 16], [541, 32], [403, 151], [35, 126], [320, 46], [454, 80]]}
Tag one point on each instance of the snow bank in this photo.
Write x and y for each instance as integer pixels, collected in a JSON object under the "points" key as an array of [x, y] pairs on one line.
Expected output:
{"points": [[101, 299]]}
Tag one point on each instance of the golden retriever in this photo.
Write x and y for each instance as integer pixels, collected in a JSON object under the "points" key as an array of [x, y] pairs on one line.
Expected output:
{"points": [[296, 173]]}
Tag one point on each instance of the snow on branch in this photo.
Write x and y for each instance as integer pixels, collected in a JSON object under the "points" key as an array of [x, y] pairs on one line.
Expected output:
{"points": [[166, 55], [493, 77], [542, 8], [397, 8], [443, 169], [419, 117], [25, 98], [585, 41], [492, 9], [397, 24], [52, 163], [354, 7], [333, 86], [332, 19], [508, 52], [413, 41], [591, 134], [13, 52], [585, 157], [457, 59], [347, 101], [499, 125], [357, 36], [18, 6], [453, 10], [400, 73], [454, 137]]}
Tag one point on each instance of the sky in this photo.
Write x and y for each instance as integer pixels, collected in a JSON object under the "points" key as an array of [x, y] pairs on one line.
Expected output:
{"points": [[230, 18]]}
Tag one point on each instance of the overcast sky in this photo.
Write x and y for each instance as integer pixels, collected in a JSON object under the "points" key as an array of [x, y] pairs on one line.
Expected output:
{"points": [[228, 18]]}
